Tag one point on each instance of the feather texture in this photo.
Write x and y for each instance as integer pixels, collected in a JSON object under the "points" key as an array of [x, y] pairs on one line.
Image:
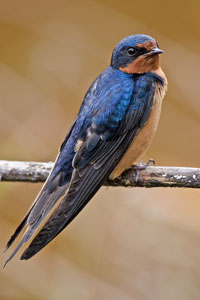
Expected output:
{"points": [[115, 108]]}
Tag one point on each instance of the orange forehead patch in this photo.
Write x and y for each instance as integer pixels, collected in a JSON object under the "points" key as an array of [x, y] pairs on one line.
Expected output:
{"points": [[148, 45]]}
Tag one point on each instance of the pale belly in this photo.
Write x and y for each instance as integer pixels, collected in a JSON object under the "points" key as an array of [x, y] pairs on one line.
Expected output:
{"points": [[144, 137]]}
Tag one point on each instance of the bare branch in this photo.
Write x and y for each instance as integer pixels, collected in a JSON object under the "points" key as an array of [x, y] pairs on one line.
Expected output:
{"points": [[26, 171], [150, 177]]}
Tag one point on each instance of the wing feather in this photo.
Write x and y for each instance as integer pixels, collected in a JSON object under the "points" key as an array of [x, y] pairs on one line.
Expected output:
{"points": [[84, 184]]}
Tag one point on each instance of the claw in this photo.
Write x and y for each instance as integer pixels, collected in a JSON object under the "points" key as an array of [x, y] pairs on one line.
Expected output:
{"points": [[142, 166], [151, 160]]}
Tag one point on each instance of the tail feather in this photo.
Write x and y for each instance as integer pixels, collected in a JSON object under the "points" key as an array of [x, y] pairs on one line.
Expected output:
{"points": [[17, 232], [24, 239], [36, 215]]}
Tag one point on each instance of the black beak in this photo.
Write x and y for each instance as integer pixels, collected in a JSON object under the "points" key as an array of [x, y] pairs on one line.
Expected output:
{"points": [[153, 51]]}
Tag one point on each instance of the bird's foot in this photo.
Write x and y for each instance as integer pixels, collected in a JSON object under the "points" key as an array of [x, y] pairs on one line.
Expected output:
{"points": [[142, 166]]}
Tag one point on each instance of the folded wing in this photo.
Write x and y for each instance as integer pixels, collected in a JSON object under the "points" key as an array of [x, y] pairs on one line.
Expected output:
{"points": [[94, 161]]}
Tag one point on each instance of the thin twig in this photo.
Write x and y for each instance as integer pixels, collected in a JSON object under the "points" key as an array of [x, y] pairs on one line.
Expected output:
{"points": [[150, 177]]}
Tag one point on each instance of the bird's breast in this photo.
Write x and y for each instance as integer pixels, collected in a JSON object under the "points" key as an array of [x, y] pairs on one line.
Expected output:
{"points": [[144, 137]]}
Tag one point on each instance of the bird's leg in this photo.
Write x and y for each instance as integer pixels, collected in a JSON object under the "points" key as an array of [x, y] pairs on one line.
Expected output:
{"points": [[142, 166]]}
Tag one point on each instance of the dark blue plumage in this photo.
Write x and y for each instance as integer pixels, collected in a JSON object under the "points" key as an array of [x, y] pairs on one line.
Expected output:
{"points": [[115, 108]]}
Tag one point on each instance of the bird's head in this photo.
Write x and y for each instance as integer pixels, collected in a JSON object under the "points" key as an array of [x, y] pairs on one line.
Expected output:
{"points": [[136, 54]]}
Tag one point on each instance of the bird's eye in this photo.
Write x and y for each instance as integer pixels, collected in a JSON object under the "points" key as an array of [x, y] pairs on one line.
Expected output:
{"points": [[131, 51]]}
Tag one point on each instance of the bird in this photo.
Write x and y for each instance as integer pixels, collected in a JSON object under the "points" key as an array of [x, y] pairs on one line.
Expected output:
{"points": [[113, 129]]}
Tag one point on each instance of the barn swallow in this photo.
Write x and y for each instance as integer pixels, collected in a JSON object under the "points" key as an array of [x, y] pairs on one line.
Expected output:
{"points": [[114, 127]]}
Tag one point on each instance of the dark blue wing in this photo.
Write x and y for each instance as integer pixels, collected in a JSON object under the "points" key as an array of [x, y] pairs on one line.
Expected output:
{"points": [[111, 130]]}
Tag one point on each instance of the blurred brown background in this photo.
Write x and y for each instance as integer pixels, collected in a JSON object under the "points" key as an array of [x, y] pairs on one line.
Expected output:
{"points": [[127, 243]]}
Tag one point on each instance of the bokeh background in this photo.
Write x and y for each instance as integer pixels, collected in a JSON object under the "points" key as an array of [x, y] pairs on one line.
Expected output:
{"points": [[127, 243]]}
